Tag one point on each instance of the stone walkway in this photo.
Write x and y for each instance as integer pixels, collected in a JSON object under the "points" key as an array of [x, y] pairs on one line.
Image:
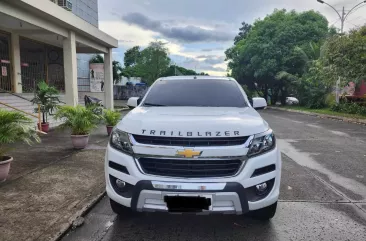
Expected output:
{"points": [[50, 185]]}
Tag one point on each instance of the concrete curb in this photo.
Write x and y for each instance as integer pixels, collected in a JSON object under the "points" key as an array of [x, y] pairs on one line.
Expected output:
{"points": [[339, 118], [82, 212], [122, 108]]}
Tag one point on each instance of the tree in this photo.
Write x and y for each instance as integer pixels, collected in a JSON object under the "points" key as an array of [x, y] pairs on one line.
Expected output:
{"points": [[177, 70], [47, 98], [154, 61], [132, 56], [244, 30], [269, 48], [149, 64], [312, 88], [97, 59], [346, 56], [117, 71]]}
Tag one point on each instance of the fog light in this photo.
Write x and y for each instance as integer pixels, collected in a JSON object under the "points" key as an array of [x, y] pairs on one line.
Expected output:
{"points": [[261, 188], [120, 184]]}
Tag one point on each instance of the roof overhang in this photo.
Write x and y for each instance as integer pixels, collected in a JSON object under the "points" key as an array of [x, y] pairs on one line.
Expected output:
{"points": [[51, 17]]}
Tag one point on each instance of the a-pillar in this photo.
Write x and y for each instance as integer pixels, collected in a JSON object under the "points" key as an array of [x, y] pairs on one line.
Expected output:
{"points": [[70, 69], [108, 80], [15, 62]]}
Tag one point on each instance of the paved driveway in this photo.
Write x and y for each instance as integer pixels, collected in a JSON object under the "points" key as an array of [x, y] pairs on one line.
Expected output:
{"points": [[323, 193]]}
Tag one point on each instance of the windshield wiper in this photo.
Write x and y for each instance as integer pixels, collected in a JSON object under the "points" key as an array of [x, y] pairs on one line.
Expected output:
{"points": [[151, 104]]}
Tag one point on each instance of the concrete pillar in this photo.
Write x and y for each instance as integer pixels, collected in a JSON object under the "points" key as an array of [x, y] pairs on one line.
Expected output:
{"points": [[108, 80], [15, 63], [70, 69]]}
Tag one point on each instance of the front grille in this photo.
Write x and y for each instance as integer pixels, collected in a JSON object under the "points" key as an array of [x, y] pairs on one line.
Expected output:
{"points": [[191, 142], [194, 168]]}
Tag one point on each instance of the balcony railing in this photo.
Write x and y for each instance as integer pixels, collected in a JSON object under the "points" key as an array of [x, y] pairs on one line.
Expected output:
{"points": [[65, 4]]}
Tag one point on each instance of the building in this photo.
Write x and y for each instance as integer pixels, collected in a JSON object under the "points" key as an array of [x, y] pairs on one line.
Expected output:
{"points": [[87, 10], [52, 41]]}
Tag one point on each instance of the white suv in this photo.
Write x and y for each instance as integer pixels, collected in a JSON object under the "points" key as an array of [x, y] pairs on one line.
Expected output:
{"points": [[194, 144]]}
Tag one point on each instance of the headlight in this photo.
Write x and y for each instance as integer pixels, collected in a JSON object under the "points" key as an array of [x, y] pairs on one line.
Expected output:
{"points": [[120, 141], [262, 143]]}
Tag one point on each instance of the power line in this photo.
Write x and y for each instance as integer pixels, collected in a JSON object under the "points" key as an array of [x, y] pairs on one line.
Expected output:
{"points": [[354, 10], [343, 15], [357, 26], [334, 22]]}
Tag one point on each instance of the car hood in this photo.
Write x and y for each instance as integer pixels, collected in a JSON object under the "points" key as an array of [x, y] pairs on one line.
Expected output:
{"points": [[193, 121]]}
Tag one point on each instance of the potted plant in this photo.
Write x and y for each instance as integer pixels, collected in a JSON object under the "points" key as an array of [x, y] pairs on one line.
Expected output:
{"points": [[14, 127], [80, 120], [111, 119], [46, 97]]}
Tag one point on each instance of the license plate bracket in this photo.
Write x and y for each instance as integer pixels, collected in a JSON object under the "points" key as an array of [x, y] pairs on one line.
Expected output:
{"points": [[188, 203]]}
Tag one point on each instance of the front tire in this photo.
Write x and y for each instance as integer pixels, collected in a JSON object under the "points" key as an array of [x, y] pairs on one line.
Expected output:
{"points": [[119, 209], [264, 214]]}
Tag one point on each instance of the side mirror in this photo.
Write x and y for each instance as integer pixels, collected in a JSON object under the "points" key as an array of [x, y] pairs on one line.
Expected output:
{"points": [[259, 103], [133, 102]]}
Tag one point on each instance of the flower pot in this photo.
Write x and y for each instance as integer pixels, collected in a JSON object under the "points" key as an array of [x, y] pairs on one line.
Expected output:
{"points": [[4, 167], [79, 141], [45, 127], [109, 129]]}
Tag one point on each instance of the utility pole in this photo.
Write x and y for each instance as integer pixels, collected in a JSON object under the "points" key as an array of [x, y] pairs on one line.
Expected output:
{"points": [[343, 19], [344, 15]]}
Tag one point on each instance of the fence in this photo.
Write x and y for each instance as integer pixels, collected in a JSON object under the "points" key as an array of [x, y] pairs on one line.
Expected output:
{"points": [[125, 92]]}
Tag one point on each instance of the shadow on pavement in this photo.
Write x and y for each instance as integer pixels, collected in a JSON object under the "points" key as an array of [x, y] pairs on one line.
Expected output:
{"points": [[160, 226]]}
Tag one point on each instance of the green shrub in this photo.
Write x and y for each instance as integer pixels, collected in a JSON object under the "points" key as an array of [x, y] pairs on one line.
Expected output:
{"points": [[313, 98], [79, 119], [349, 108], [14, 127], [336, 107], [312, 94], [111, 117], [330, 99], [97, 110]]}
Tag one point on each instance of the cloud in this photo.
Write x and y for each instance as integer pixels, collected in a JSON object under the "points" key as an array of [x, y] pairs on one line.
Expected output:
{"points": [[212, 59], [188, 33], [212, 49], [127, 35], [122, 41], [205, 56], [218, 68]]}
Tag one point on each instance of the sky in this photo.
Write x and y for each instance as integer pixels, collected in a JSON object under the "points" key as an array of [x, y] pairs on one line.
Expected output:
{"points": [[197, 32]]}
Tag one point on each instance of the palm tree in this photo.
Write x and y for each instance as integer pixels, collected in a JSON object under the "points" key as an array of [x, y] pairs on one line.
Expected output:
{"points": [[117, 71], [46, 97], [15, 127], [314, 52], [309, 56]]}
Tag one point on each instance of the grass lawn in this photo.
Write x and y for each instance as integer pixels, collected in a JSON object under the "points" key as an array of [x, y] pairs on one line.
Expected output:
{"points": [[324, 111]]}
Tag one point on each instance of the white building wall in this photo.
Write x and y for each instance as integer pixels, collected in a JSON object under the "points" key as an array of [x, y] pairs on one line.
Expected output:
{"points": [[87, 10]]}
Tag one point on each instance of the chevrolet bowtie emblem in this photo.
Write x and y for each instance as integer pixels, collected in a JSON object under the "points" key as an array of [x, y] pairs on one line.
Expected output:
{"points": [[189, 153]]}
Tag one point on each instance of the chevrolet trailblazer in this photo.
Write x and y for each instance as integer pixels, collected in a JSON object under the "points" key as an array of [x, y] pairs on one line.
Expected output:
{"points": [[194, 144]]}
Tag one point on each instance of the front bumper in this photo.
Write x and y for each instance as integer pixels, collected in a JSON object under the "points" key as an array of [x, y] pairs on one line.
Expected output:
{"points": [[229, 195]]}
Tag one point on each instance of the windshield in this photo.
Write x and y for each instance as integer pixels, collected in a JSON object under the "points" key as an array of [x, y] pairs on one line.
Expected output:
{"points": [[195, 92]]}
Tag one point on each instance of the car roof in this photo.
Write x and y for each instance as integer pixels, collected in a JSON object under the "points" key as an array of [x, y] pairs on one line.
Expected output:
{"points": [[186, 77]]}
